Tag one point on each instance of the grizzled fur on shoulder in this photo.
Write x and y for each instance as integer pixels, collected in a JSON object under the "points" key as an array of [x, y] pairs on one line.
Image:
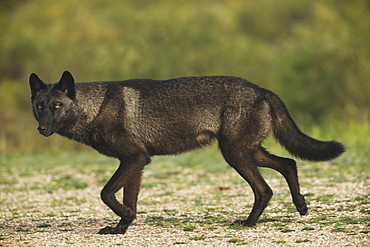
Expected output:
{"points": [[135, 119]]}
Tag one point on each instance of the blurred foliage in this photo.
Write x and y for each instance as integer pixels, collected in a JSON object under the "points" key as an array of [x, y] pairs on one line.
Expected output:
{"points": [[314, 54]]}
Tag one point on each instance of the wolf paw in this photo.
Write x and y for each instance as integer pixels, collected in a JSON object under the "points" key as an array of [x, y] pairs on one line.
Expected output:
{"points": [[303, 209], [301, 205], [113, 230], [243, 223]]}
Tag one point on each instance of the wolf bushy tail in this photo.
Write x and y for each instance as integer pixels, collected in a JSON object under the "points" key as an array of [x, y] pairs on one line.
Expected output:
{"points": [[297, 143]]}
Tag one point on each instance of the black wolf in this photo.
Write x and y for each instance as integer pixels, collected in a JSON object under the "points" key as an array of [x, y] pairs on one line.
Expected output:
{"points": [[133, 120]]}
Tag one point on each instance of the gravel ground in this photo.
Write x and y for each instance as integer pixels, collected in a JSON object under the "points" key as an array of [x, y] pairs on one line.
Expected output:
{"points": [[34, 217]]}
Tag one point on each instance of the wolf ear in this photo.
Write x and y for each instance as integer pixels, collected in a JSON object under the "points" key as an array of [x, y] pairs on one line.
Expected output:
{"points": [[36, 84], [67, 85]]}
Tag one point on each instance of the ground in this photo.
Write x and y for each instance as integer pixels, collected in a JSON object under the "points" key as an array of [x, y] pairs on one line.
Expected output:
{"points": [[190, 200]]}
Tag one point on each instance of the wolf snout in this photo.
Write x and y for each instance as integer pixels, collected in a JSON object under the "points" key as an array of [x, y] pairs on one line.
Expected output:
{"points": [[43, 130]]}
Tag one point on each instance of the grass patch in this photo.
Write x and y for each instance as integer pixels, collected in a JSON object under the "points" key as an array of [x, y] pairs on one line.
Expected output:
{"points": [[24, 230], [279, 242], [45, 225], [235, 240], [202, 237], [65, 182], [285, 230], [189, 228], [303, 241], [308, 228]]}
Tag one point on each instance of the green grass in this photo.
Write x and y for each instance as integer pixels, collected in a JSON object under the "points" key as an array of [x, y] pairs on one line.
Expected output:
{"points": [[189, 228], [235, 240], [303, 241]]}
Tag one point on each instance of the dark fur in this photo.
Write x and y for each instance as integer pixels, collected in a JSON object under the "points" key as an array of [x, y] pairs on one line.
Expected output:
{"points": [[135, 119]]}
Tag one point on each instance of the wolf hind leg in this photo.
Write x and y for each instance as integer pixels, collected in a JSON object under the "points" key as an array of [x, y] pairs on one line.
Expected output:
{"points": [[245, 164], [288, 168]]}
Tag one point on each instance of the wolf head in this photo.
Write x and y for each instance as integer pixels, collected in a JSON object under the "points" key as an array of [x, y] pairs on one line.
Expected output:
{"points": [[54, 105]]}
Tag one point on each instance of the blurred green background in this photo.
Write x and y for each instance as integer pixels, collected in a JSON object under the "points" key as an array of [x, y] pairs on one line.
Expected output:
{"points": [[314, 54]]}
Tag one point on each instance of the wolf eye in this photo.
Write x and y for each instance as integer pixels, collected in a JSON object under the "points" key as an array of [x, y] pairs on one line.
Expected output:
{"points": [[39, 107], [57, 106]]}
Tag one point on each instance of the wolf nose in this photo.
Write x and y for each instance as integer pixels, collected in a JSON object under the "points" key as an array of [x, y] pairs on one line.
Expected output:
{"points": [[41, 128]]}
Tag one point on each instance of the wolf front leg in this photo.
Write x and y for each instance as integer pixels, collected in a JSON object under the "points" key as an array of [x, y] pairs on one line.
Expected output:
{"points": [[128, 176]]}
